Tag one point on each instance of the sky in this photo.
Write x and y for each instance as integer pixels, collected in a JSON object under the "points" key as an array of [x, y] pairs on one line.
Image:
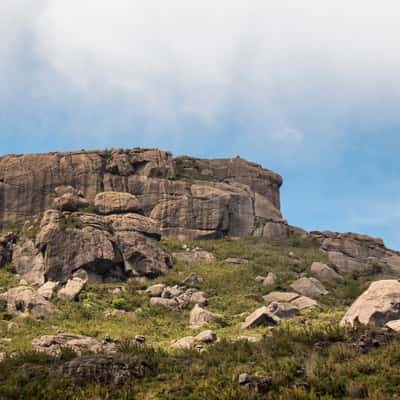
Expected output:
{"points": [[307, 88]]}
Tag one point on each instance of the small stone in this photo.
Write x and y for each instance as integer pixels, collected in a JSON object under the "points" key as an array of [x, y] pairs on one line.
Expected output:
{"points": [[162, 302], [234, 260], [260, 317], [184, 343], [200, 316], [155, 290], [140, 339], [270, 280]]}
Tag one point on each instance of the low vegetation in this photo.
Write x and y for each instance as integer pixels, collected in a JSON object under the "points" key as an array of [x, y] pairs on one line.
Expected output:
{"points": [[308, 357]]}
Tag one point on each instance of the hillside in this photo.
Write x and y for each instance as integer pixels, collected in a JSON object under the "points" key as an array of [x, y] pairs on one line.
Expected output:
{"points": [[165, 285]]}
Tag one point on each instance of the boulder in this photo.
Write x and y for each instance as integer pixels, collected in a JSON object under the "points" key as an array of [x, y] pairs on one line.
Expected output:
{"points": [[394, 325], [309, 287], [260, 317], [195, 256], [281, 297], [134, 223], [283, 310], [29, 262], [48, 290], [200, 316], [53, 344], [270, 280], [258, 384], [116, 202], [192, 280], [26, 302], [303, 302], [163, 302], [184, 343], [208, 336], [72, 289], [324, 272], [379, 304], [155, 290]]}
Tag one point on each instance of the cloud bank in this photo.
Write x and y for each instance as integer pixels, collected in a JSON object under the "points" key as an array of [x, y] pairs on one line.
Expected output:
{"points": [[285, 74]]}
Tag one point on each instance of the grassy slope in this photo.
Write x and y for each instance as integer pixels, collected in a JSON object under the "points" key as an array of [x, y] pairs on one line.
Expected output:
{"points": [[331, 371]]}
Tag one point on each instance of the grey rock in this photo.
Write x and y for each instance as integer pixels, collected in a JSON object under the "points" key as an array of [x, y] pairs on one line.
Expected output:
{"points": [[283, 297], [324, 272], [309, 287], [260, 317], [48, 290], [200, 316], [72, 289]]}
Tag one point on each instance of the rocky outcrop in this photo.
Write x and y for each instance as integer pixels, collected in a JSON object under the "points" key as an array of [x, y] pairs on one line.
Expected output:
{"points": [[26, 302], [99, 248], [354, 253], [187, 197], [379, 304]]}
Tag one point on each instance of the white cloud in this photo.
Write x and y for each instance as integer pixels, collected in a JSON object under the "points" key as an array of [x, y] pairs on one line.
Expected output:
{"points": [[289, 69]]}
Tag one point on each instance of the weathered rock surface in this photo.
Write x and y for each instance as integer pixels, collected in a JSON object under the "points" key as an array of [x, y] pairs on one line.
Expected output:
{"points": [[69, 199], [53, 344], [207, 336], [72, 289], [283, 310], [379, 304], [394, 325], [26, 302], [195, 256], [260, 317], [188, 197], [309, 287], [200, 316], [355, 253], [6, 243], [48, 290], [304, 302], [116, 202], [107, 248], [324, 272], [280, 297]]}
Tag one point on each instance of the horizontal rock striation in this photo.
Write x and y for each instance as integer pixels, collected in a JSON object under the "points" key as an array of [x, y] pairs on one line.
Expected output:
{"points": [[188, 197]]}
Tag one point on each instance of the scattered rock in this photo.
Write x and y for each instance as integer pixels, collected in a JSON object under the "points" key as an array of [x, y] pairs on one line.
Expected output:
{"points": [[304, 302], [52, 344], [281, 297], [234, 260], [270, 280], [72, 289], [283, 310], [379, 304], [208, 336], [195, 256], [250, 339], [116, 202], [140, 339], [163, 302], [192, 280], [48, 290], [325, 273], [309, 287], [155, 290], [200, 316], [115, 313], [184, 343], [26, 302], [259, 384], [260, 317]]}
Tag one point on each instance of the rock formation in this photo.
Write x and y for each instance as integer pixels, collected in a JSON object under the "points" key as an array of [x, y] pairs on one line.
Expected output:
{"points": [[188, 197]]}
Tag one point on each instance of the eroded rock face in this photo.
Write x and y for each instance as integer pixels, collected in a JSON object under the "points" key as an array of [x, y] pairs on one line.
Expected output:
{"points": [[26, 302], [189, 198], [379, 304], [105, 248], [355, 253]]}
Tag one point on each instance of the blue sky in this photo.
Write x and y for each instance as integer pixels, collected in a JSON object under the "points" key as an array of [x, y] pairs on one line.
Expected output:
{"points": [[307, 89]]}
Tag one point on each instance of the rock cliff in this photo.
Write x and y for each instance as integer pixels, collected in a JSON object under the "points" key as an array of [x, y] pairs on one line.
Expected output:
{"points": [[187, 197]]}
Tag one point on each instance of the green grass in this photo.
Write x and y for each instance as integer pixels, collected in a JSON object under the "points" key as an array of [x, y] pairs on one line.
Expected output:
{"points": [[308, 357]]}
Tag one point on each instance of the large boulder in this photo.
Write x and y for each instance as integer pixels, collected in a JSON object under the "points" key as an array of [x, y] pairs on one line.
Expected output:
{"points": [[200, 316], [309, 287], [260, 317], [116, 202], [29, 262], [72, 289], [324, 272], [379, 304], [26, 302]]}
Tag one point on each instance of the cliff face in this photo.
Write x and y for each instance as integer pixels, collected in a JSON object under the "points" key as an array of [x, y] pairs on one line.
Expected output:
{"points": [[188, 197]]}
